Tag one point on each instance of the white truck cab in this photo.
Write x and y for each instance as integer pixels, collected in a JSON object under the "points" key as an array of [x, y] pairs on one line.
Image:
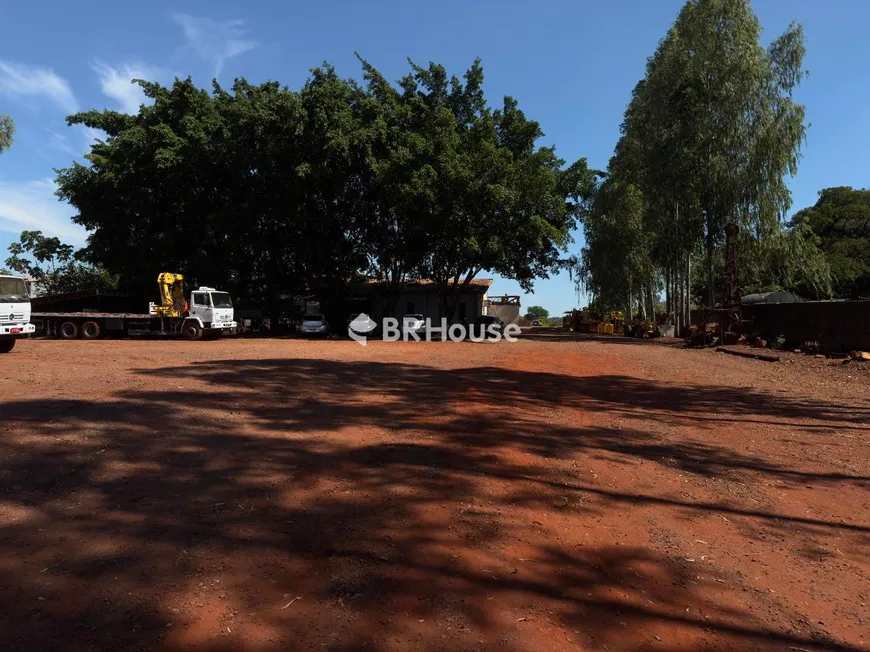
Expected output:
{"points": [[14, 312], [211, 312]]}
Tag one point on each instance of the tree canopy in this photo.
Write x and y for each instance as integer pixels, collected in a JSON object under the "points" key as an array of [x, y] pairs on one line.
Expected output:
{"points": [[840, 220], [709, 138], [269, 191], [54, 266], [537, 312], [7, 132]]}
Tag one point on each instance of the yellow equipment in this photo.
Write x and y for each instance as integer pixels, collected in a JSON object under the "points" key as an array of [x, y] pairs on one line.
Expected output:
{"points": [[583, 321], [171, 288], [643, 329], [611, 324], [617, 319]]}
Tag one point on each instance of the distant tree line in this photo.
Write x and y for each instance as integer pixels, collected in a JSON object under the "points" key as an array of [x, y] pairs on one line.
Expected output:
{"points": [[268, 191], [536, 312], [709, 137], [55, 267]]}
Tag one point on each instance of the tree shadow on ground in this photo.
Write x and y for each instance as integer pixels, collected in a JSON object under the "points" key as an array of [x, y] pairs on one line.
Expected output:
{"points": [[556, 335], [406, 384], [376, 494]]}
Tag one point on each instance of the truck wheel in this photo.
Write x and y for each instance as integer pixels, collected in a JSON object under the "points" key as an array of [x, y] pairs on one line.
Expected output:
{"points": [[191, 331], [69, 330], [91, 330], [7, 345]]}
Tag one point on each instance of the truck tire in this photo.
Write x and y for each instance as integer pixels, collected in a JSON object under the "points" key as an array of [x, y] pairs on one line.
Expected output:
{"points": [[69, 330], [91, 330], [7, 345], [191, 330]]}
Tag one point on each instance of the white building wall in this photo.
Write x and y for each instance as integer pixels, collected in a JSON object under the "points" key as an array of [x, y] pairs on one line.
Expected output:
{"points": [[508, 313], [428, 305]]}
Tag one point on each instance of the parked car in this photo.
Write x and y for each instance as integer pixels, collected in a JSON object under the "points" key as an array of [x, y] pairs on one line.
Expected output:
{"points": [[481, 326], [414, 323], [314, 325], [363, 324], [536, 322]]}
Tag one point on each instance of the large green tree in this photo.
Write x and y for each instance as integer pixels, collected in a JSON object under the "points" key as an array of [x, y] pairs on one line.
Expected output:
{"points": [[213, 185], [268, 191], [495, 200], [398, 184], [840, 220], [156, 192], [537, 312], [615, 266]]}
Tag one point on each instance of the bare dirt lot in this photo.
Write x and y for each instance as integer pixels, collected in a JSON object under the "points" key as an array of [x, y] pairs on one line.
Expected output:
{"points": [[560, 493]]}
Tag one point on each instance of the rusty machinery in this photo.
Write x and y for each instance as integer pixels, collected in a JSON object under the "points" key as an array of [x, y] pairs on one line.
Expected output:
{"points": [[730, 320], [727, 318]]}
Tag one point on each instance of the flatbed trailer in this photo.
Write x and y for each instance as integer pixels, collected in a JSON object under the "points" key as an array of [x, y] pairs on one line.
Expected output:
{"points": [[91, 314], [94, 325]]}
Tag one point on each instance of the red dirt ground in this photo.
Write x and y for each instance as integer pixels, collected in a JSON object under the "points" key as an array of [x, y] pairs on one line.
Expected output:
{"points": [[559, 493]]}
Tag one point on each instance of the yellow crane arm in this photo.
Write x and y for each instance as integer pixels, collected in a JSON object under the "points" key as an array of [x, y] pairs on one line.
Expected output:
{"points": [[171, 288]]}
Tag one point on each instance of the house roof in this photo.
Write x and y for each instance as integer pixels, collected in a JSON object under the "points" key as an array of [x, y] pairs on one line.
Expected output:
{"points": [[424, 285], [769, 297]]}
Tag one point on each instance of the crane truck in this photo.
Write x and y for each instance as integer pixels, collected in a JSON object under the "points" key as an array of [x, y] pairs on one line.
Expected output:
{"points": [[14, 311], [208, 314]]}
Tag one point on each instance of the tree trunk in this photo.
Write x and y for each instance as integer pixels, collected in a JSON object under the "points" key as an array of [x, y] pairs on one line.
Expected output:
{"points": [[449, 302], [678, 291], [444, 309], [668, 295], [652, 302], [684, 298], [273, 300], [688, 291], [711, 297], [391, 296]]}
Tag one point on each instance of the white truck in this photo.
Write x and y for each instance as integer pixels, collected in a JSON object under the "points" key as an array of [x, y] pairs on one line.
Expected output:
{"points": [[14, 312], [208, 314]]}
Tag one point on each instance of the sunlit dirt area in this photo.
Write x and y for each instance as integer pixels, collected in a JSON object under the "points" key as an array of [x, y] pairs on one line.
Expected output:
{"points": [[559, 493]]}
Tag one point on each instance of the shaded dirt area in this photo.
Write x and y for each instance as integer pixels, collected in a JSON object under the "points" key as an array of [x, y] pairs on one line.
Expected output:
{"points": [[560, 493]]}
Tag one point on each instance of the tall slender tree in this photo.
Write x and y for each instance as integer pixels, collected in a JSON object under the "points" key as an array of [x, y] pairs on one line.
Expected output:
{"points": [[710, 136], [724, 109]]}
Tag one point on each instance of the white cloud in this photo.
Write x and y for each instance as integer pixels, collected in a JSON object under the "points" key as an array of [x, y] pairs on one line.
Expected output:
{"points": [[116, 83], [90, 135], [214, 41], [75, 140], [32, 205], [60, 141], [18, 79]]}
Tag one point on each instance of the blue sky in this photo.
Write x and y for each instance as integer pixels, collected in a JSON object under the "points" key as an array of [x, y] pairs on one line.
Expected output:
{"points": [[570, 64]]}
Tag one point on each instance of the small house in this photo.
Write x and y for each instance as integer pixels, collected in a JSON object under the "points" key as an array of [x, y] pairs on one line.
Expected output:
{"points": [[422, 297]]}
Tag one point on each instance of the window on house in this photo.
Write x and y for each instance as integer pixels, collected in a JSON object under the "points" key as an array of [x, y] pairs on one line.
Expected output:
{"points": [[462, 311]]}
